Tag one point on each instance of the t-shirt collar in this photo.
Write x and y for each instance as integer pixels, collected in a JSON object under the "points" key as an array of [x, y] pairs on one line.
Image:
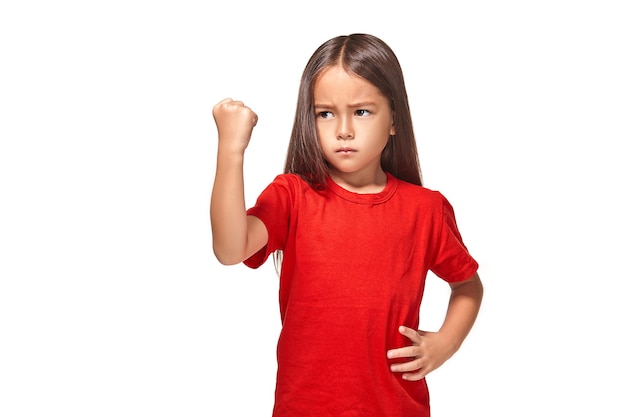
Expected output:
{"points": [[368, 198]]}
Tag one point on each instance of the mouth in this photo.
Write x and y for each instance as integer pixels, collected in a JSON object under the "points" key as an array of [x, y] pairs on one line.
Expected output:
{"points": [[346, 151]]}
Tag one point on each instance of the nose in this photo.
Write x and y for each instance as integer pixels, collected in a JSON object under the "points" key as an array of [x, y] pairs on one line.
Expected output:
{"points": [[345, 130]]}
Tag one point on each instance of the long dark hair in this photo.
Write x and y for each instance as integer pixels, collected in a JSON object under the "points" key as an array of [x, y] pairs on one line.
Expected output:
{"points": [[373, 60]]}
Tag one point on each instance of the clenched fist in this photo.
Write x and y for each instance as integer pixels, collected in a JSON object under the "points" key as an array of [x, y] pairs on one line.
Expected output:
{"points": [[235, 122]]}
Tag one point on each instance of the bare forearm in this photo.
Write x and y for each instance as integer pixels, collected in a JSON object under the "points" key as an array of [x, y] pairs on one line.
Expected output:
{"points": [[465, 301], [228, 211]]}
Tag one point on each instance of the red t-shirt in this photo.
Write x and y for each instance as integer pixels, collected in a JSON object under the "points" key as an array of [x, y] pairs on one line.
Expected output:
{"points": [[353, 271]]}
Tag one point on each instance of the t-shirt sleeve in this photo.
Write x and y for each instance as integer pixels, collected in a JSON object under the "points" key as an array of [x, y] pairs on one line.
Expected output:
{"points": [[273, 208], [452, 261]]}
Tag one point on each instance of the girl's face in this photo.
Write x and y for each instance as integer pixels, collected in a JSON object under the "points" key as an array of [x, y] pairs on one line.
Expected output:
{"points": [[353, 122]]}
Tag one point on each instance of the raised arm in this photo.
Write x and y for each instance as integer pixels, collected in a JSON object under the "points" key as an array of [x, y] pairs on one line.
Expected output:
{"points": [[236, 236]]}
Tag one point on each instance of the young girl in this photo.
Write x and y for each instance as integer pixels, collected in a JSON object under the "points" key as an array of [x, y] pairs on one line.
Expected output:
{"points": [[356, 233]]}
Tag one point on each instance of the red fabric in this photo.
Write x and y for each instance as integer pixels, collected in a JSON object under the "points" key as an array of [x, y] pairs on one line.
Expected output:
{"points": [[353, 271]]}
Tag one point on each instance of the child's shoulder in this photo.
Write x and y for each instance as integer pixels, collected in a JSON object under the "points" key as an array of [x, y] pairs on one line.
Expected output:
{"points": [[290, 183], [420, 191], [293, 180]]}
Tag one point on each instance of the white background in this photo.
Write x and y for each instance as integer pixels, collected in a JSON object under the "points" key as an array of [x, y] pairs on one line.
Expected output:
{"points": [[111, 302]]}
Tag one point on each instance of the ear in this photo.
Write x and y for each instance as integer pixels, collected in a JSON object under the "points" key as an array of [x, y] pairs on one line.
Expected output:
{"points": [[392, 130]]}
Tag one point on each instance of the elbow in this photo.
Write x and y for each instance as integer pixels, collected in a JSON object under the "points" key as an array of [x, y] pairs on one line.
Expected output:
{"points": [[226, 258], [226, 262]]}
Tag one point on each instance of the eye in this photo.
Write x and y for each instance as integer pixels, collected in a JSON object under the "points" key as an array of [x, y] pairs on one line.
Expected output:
{"points": [[362, 112], [324, 115]]}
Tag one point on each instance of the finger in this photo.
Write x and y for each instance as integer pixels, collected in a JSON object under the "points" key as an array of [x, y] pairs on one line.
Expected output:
{"points": [[409, 366], [218, 106], [226, 100], [228, 103], [411, 371], [412, 334], [414, 376], [404, 352]]}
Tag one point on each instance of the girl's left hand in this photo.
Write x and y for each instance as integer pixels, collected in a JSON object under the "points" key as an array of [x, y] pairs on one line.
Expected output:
{"points": [[428, 352]]}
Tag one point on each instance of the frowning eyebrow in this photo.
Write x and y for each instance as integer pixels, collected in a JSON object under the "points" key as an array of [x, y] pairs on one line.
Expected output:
{"points": [[353, 105]]}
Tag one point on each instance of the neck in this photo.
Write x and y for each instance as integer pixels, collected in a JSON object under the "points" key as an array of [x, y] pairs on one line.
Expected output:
{"points": [[359, 182]]}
